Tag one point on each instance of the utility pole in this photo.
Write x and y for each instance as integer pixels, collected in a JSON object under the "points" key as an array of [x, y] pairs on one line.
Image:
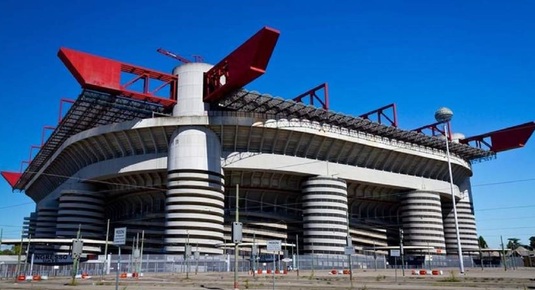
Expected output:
{"points": [[77, 249], [141, 252], [105, 268], [20, 253], [297, 254], [27, 254], [503, 254], [237, 236], [401, 251], [349, 250], [186, 254], [254, 252]]}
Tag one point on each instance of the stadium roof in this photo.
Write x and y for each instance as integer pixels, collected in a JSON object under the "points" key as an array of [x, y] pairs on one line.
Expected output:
{"points": [[93, 108]]}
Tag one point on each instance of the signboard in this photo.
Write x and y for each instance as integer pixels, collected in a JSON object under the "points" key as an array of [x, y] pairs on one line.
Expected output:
{"points": [[273, 245], [77, 247], [119, 237], [50, 259], [136, 254], [395, 253], [349, 250]]}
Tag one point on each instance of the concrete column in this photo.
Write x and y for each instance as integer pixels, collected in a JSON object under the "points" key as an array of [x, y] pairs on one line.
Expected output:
{"points": [[466, 221], [324, 215], [421, 218], [195, 191]]}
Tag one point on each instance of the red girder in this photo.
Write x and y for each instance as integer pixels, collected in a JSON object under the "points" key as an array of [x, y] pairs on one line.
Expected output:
{"points": [[102, 74], [435, 129], [11, 177], [43, 133], [380, 114], [241, 66], [504, 139], [22, 165], [61, 102], [31, 151], [313, 96]]}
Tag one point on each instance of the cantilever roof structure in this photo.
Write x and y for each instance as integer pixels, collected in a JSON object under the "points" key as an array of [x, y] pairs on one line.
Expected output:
{"points": [[90, 110], [261, 103], [93, 108]]}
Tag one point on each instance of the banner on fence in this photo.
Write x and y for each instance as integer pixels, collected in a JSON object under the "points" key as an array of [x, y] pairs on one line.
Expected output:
{"points": [[50, 259]]}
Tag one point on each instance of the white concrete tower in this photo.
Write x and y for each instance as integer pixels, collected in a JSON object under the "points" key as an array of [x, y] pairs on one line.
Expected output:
{"points": [[466, 220], [324, 215], [421, 217], [195, 182]]}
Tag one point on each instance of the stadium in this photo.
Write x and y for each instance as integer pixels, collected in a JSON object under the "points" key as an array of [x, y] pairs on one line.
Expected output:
{"points": [[180, 156]]}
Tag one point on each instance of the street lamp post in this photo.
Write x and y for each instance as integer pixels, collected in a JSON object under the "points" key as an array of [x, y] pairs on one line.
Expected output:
{"points": [[444, 116]]}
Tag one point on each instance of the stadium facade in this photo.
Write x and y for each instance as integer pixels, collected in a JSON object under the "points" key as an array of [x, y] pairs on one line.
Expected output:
{"points": [[171, 167]]}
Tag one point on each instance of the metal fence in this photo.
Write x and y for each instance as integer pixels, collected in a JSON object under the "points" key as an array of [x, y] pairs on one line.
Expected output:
{"points": [[152, 263]]}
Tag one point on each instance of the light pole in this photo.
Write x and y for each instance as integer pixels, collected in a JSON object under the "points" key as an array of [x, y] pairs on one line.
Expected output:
{"points": [[444, 116]]}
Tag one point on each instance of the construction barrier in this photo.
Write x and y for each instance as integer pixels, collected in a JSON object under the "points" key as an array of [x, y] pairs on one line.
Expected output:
{"points": [[269, 271], [36, 277], [423, 272], [437, 272], [123, 275], [21, 277]]}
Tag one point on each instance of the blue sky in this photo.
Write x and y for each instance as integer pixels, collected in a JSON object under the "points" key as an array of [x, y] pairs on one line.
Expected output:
{"points": [[475, 57]]}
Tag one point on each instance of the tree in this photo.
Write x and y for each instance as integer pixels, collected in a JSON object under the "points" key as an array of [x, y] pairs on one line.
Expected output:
{"points": [[532, 242], [13, 251], [513, 243], [6, 252], [482, 243]]}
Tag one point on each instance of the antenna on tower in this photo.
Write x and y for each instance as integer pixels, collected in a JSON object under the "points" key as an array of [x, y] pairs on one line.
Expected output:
{"points": [[197, 58]]}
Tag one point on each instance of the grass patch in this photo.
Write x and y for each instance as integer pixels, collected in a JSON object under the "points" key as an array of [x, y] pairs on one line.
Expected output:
{"points": [[451, 278]]}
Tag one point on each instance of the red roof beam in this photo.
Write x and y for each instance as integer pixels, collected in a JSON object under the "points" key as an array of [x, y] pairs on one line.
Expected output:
{"points": [[436, 130], [22, 165], [43, 133], [504, 139], [102, 74], [61, 102], [381, 113], [312, 94], [31, 151], [242, 66]]}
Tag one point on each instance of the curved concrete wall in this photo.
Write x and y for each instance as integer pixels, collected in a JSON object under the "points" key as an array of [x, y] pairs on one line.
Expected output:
{"points": [[325, 224], [81, 206], [46, 222]]}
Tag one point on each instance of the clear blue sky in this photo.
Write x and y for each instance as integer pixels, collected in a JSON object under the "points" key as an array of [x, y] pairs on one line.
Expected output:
{"points": [[475, 57]]}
